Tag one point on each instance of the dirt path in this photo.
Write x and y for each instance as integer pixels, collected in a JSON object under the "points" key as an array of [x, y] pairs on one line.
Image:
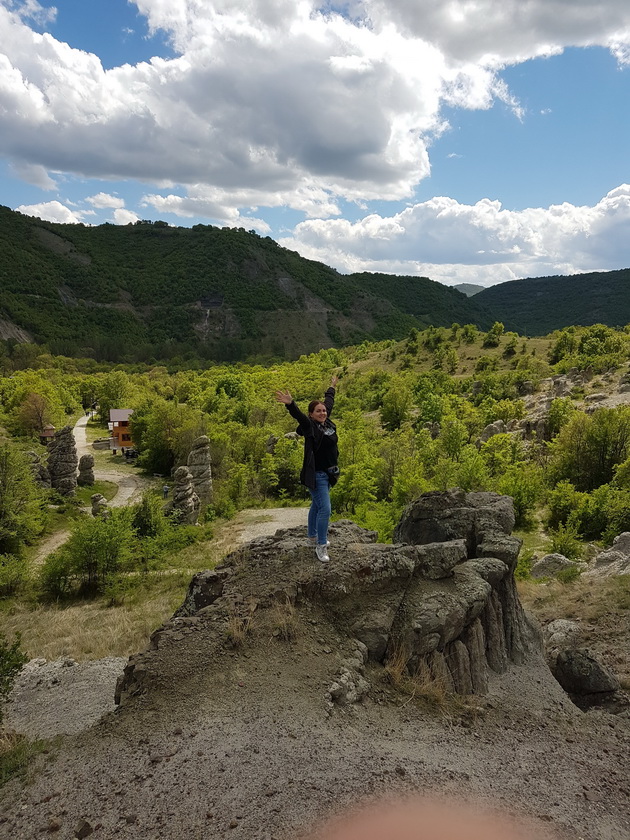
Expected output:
{"points": [[251, 523], [130, 490], [50, 544]]}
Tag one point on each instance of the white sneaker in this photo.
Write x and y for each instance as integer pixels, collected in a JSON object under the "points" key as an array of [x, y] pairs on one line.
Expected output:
{"points": [[313, 541], [322, 553]]}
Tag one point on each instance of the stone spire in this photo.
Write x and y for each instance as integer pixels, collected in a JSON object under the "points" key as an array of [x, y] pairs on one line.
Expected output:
{"points": [[62, 462], [199, 466]]}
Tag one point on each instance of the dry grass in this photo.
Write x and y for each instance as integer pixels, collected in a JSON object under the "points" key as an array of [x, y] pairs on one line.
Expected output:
{"points": [[600, 606], [284, 621], [93, 630], [16, 754], [468, 355], [240, 626], [585, 599], [420, 685]]}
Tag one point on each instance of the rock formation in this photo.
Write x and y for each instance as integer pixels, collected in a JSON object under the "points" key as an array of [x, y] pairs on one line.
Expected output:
{"points": [[184, 506], [86, 471], [442, 600], [614, 560], [551, 564], [62, 462], [586, 680], [99, 505], [199, 467]]}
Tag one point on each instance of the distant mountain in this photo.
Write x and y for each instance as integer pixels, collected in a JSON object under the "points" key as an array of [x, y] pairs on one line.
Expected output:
{"points": [[468, 289], [538, 305], [149, 291]]}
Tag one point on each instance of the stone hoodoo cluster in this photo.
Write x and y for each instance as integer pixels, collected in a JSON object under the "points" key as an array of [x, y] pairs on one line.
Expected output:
{"points": [[199, 467], [62, 462], [442, 599], [184, 506], [86, 471]]}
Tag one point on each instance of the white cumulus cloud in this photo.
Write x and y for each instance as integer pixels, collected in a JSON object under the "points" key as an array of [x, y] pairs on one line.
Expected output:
{"points": [[277, 96], [124, 217], [51, 211], [104, 200], [481, 243]]}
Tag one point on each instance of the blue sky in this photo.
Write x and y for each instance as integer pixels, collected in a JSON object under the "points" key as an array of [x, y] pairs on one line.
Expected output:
{"points": [[407, 136]]}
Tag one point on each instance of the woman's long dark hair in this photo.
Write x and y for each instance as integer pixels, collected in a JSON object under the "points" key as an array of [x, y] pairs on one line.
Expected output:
{"points": [[313, 404]]}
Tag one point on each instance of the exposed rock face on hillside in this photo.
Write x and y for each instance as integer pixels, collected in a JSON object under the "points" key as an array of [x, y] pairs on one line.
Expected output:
{"points": [[446, 606], [63, 462]]}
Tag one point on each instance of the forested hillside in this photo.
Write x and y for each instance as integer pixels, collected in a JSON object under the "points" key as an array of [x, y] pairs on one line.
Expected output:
{"points": [[149, 291], [538, 305]]}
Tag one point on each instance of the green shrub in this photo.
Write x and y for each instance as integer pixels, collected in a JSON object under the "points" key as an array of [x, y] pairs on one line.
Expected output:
{"points": [[524, 565], [562, 501], [565, 540], [12, 659], [56, 575], [524, 484], [12, 574], [569, 574], [97, 549], [148, 516]]}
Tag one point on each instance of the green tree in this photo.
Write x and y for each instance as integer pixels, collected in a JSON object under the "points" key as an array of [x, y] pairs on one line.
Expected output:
{"points": [[12, 659], [96, 552], [21, 517], [114, 392], [453, 437], [589, 447], [396, 405], [560, 412], [493, 337]]}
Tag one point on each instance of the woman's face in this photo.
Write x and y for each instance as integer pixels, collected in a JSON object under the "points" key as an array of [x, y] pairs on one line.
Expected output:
{"points": [[319, 413]]}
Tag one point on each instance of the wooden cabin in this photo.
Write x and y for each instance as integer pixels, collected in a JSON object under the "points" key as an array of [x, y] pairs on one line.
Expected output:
{"points": [[119, 428]]}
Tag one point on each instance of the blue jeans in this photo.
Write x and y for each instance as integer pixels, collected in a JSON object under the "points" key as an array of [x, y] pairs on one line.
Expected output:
{"points": [[319, 511]]}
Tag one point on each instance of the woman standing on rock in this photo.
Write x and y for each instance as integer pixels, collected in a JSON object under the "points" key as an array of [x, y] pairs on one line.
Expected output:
{"points": [[321, 455]]}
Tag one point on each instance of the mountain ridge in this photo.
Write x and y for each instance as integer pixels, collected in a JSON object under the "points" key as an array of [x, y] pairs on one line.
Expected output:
{"points": [[148, 291], [152, 291]]}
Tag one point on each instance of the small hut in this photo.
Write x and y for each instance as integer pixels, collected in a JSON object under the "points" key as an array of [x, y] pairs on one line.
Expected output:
{"points": [[47, 434]]}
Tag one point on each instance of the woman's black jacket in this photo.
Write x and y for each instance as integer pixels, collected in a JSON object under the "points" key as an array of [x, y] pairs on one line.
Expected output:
{"points": [[311, 430]]}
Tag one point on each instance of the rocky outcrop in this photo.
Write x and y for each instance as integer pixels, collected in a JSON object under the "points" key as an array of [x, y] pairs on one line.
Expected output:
{"points": [[86, 471], [586, 679], [492, 429], [614, 560], [443, 603], [200, 470], [441, 516], [184, 506], [580, 673], [62, 462], [551, 564]]}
